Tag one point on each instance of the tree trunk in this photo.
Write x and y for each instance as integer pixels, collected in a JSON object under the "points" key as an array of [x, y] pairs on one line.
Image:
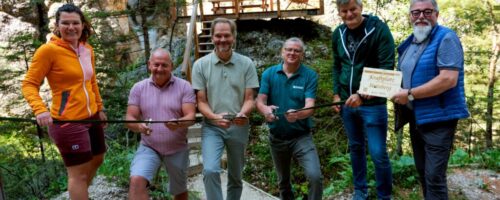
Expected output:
{"points": [[145, 32], [399, 143], [492, 79], [142, 9], [43, 21], [491, 96], [174, 15]]}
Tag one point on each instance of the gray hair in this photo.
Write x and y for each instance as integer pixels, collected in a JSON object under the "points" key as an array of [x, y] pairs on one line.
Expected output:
{"points": [[297, 40], [224, 20], [160, 49], [343, 2], [433, 2]]}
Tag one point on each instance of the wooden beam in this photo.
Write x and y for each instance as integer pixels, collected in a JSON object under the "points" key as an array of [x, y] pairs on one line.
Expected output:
{"points": [[261, 15], [321, 7], [189, 42], [279, 8]]}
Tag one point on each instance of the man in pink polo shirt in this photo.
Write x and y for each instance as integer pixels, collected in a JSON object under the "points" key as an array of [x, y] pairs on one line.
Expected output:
{"points": [[160, 97]]}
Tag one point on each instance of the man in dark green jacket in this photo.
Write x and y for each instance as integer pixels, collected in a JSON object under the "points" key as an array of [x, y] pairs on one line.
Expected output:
{"points": [[362, 41]]}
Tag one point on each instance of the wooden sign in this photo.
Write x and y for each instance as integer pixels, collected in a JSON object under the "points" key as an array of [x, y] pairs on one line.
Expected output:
{"points": [[380, 82]]}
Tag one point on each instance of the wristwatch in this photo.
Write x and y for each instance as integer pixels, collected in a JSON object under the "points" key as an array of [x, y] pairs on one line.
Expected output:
{"points": [[410, 96]]}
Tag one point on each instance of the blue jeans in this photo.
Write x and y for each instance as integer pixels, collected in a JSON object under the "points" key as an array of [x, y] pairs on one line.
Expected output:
{"points": [[369, 122], [303, 149], [214, 139]]}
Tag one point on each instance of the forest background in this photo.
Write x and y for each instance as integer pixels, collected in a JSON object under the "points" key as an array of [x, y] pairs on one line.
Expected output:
{"points": [[26, 173]]}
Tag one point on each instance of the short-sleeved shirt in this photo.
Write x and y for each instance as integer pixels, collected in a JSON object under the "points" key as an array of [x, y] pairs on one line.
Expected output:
{"points": [[163, 103], [449, 56], [289, 93], [224, 82]]}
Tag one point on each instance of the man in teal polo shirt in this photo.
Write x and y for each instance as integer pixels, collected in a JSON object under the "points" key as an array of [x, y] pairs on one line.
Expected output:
{"points": [[287, 87], [224, 82]]}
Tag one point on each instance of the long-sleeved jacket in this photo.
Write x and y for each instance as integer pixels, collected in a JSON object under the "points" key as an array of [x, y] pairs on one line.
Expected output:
{"points": [[71, 76], [376, 50]]}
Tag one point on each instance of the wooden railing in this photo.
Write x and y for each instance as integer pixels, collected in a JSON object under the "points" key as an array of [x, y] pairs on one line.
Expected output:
{"points": [[235, 8]]}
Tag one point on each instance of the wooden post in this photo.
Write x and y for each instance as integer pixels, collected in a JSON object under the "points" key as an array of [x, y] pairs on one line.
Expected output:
{"points": [[279, 8], [196, 43], [237, 8], [201, 9], [321, 7], [189, 42], [173, 12], [40, 137]]}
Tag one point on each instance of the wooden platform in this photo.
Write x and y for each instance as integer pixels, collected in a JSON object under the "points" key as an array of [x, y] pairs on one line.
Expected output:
{"points": [[259, 15]]}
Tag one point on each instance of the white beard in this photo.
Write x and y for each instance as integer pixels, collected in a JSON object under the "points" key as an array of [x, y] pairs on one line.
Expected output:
{"points": [[421, 32]]}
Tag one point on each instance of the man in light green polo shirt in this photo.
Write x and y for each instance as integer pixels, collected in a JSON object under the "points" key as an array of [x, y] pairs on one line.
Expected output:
{"points": [[224, 82]]}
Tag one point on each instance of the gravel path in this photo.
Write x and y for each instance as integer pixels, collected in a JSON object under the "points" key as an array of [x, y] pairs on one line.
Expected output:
{"points": [[473, 184], [250, 192], [103, 190]]}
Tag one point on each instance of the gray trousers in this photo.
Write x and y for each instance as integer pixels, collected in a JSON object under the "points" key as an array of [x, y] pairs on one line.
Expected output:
{"points": [[431, 145], [214, 139], [304, 150]]}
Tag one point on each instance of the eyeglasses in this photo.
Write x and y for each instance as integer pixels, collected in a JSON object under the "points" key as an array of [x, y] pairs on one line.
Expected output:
{"points": [[416, 13], [290, 50]]}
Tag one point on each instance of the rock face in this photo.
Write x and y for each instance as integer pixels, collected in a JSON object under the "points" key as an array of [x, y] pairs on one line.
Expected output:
{"points": [[23, 10], [31, 21], [12, 103], [118, 36], [262, 40], [11, 25]]}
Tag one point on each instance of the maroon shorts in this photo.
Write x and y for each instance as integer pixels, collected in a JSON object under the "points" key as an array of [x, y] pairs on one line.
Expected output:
{"points": [[78, 142]]}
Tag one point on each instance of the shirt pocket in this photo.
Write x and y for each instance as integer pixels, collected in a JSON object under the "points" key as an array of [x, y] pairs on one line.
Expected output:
{"points": [[297, 94], [64, 101]]}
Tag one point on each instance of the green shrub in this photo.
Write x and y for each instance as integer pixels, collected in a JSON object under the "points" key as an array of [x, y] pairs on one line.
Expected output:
{"points": [[404, 173], [24, 174]]}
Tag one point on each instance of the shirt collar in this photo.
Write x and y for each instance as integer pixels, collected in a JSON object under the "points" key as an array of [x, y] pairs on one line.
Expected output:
{"points": [[297, 73], [170, 82], [218, 60]]}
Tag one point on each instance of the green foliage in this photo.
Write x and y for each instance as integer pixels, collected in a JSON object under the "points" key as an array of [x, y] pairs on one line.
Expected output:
{"points": [[460, 157], [106, 14], [404, 173], [117, 162], [24, 174], [343, 171], [259, 169], [489, 159]]}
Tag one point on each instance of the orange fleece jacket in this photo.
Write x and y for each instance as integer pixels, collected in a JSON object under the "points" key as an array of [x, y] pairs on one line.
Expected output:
{"points": [[71, 76]]}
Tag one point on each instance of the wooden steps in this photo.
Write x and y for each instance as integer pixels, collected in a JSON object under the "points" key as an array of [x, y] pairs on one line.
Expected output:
{"points": [[204, 39], [194, 143], [195, 157]]}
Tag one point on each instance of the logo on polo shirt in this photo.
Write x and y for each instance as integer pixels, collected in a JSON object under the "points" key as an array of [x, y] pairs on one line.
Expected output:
{"points": [[75, 147], [297, 87]]}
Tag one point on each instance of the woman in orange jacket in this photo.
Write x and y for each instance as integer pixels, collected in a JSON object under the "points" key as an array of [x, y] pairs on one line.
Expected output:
{"points": [[67, 61]]}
